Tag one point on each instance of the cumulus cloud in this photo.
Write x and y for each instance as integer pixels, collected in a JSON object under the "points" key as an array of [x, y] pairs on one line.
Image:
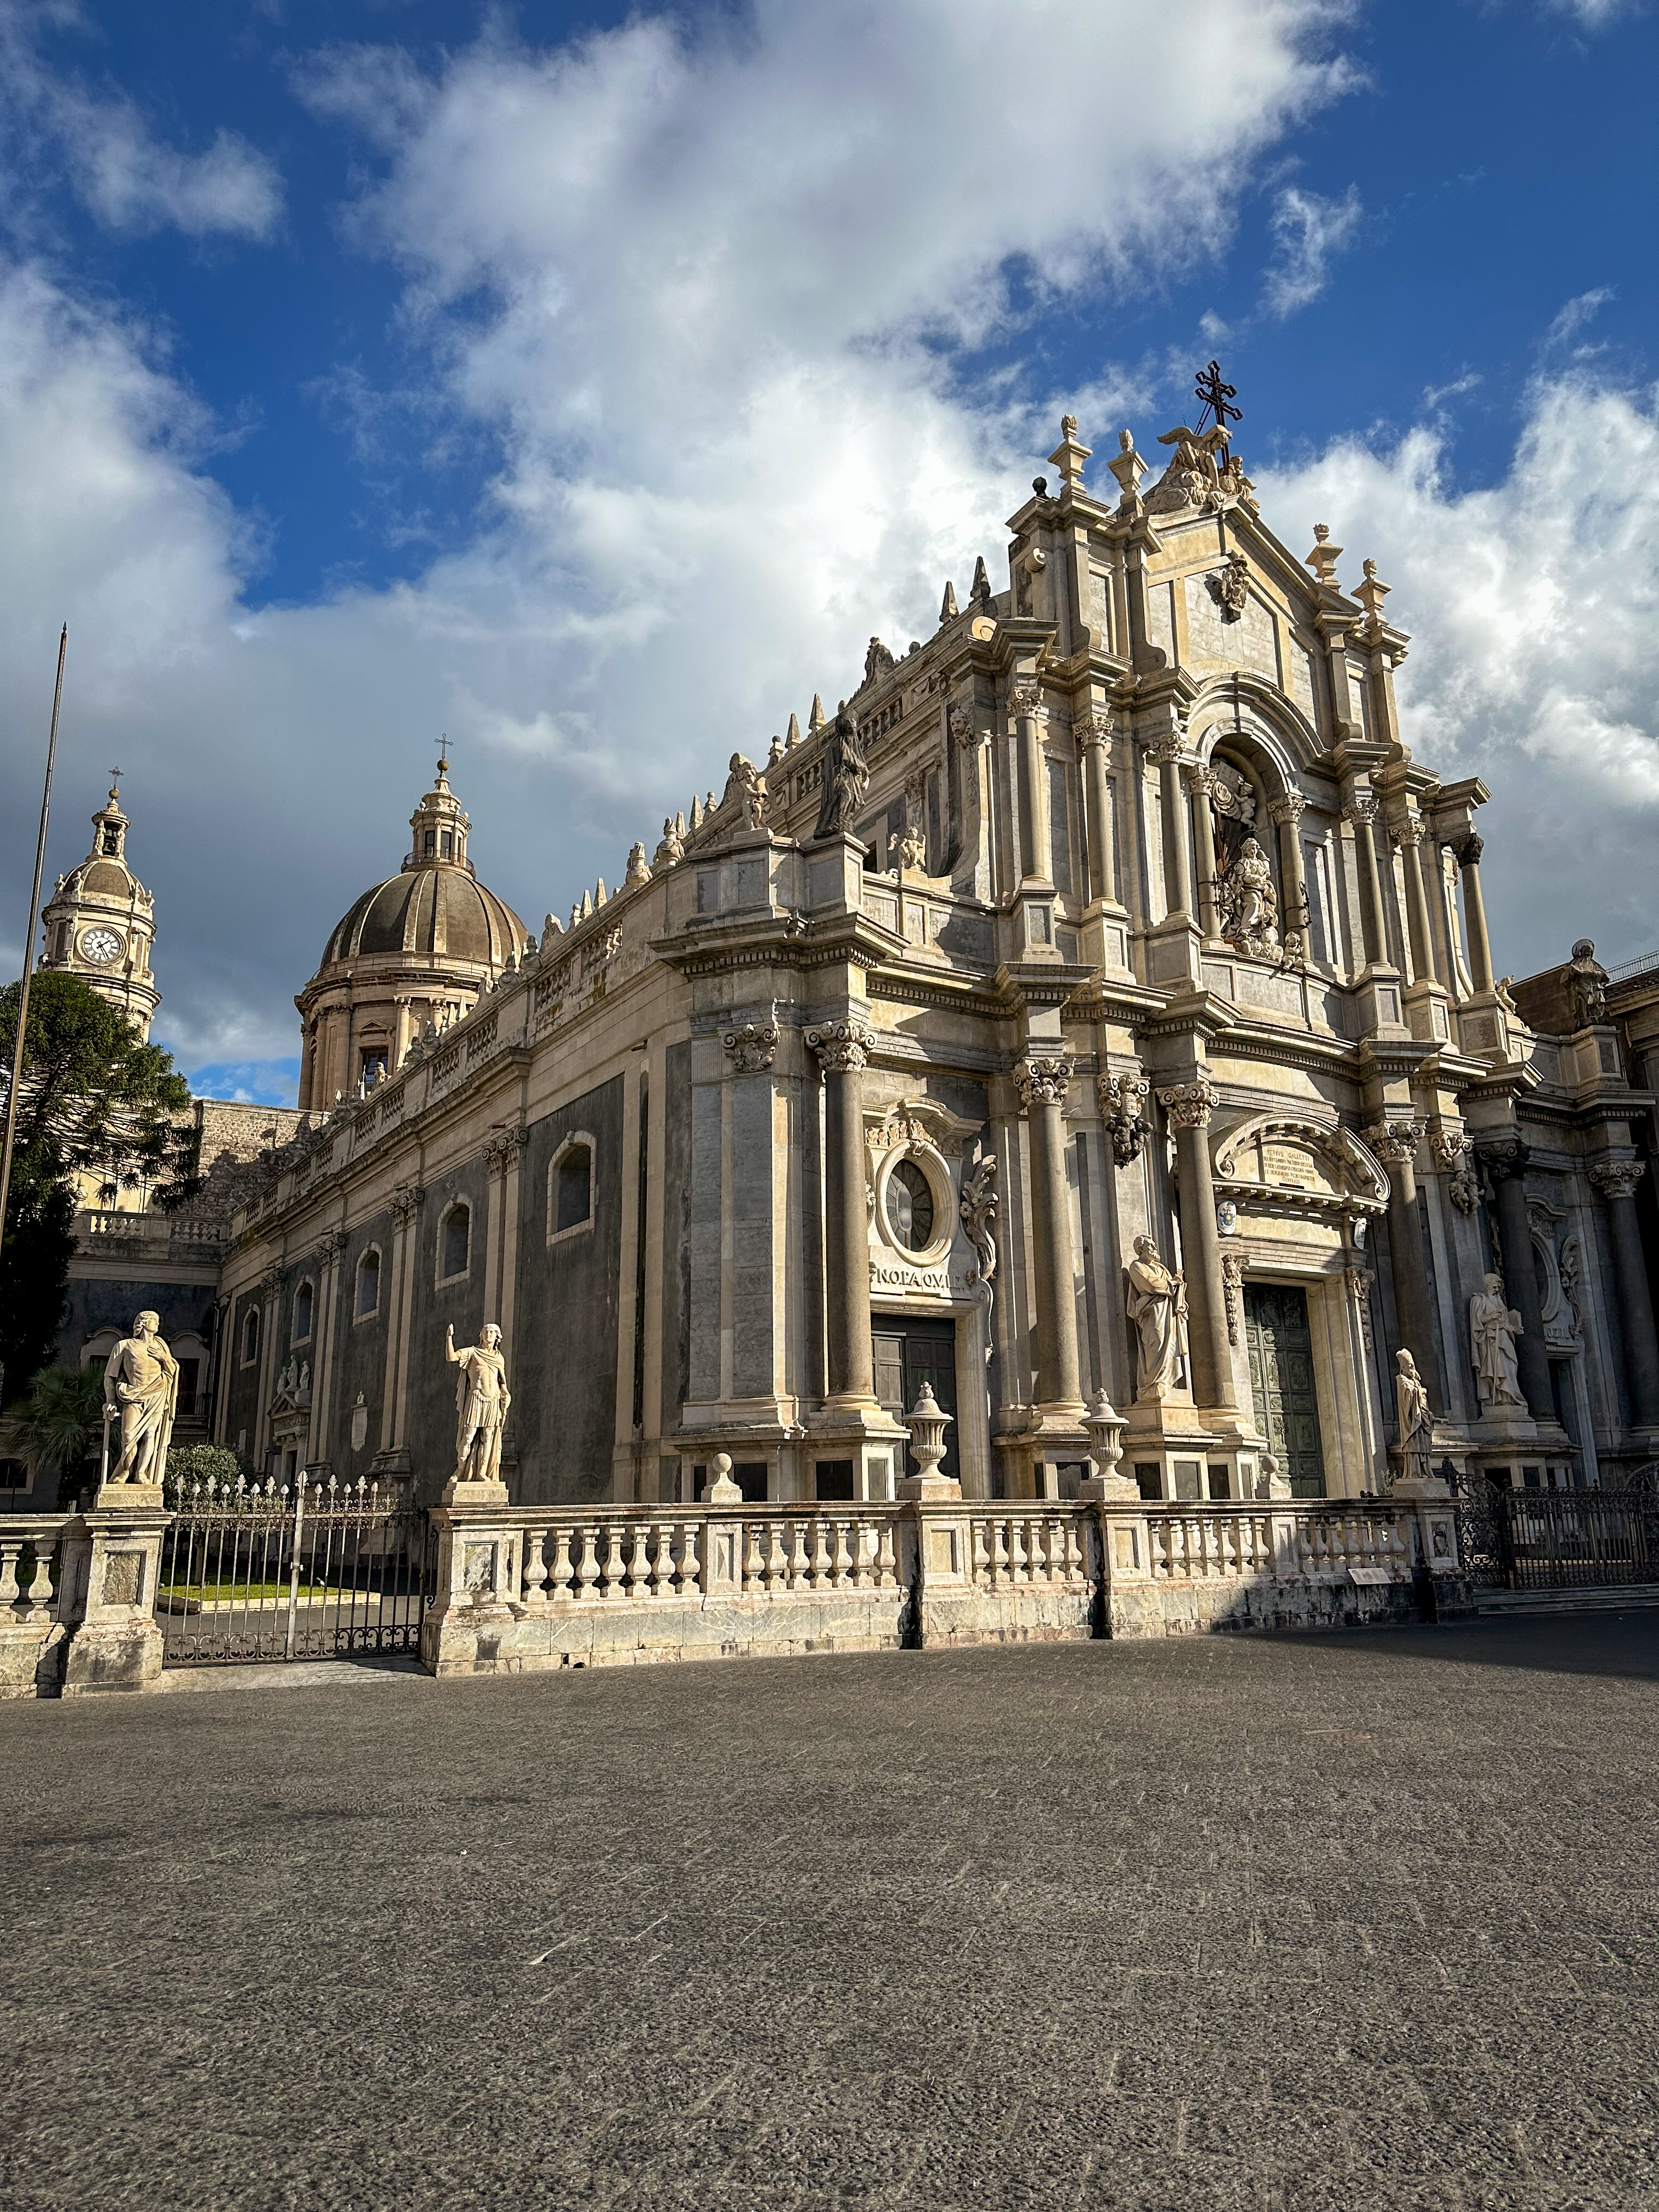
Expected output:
{"points": [[1535, 661], [1309, 232], [130, 181]]}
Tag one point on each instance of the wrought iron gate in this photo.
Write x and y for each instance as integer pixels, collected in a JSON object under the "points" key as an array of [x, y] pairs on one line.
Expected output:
{"points": [[1561, 1539], [320, 1573]]}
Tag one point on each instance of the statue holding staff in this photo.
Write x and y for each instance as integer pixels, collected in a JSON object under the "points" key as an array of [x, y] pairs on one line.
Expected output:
{"points": [[141, 1384]]}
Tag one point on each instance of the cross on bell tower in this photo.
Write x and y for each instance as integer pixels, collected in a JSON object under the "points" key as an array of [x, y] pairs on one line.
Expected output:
{"points": [[1212, 396]]}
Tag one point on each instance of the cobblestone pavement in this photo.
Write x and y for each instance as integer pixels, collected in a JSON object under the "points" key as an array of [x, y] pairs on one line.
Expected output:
{"points": [[1351, 1922]]}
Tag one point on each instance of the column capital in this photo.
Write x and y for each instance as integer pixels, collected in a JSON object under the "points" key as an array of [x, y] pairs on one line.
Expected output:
{"points": [[1393, 1141], [1505, 1160], [841, 1045], [407, 1202], [1406, 830], [1617, 1178], [1189, 1105], [1094, 729], [1041, 1079], [330, 1246], [1203, 782], [1289, 806], [752, 1047], [1467, 850], [1448, 1147], [1361, 808], [1168, 748], [503, 1148], [1026, 698], [274, 1281]]}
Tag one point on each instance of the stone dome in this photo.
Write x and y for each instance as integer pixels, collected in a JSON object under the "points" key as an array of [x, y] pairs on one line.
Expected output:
{"points": [[412, 952]]}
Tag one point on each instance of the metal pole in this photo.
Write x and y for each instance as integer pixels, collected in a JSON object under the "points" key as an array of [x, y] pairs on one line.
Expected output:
{"points": [[28, 943]]}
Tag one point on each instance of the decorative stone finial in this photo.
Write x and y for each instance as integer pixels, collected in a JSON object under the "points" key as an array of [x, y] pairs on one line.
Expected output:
{"points": [[815, 719], [1129, 468], [1324, 557], [948, 609], [792, 735], [1069, 455], [981, 594]]}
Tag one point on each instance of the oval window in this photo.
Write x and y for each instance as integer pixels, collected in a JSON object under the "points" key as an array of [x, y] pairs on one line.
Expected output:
{"points": [[910, 1207]]}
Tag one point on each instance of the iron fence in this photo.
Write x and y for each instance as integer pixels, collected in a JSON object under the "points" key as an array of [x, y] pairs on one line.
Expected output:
{"points": [[321, 1572], [1560, 1539]]}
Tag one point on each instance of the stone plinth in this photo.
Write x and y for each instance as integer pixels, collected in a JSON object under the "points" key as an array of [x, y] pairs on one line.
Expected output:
{"points": [[112, 1564]]}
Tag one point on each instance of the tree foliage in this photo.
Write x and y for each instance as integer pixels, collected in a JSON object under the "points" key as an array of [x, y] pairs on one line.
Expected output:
{"points": [[61, 1427], [95, 1095], [191, 1464], [35, 1263]]}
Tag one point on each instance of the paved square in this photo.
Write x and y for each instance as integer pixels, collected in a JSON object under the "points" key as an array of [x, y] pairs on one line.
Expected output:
{"points": [[1349, 1921]]}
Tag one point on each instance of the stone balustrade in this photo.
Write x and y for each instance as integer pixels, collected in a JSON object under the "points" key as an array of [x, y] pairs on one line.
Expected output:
{"points": [[571, 1558], [28, 1603]]}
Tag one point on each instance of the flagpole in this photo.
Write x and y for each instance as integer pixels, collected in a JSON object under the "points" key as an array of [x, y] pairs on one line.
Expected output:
{"points": [[28, 943]]}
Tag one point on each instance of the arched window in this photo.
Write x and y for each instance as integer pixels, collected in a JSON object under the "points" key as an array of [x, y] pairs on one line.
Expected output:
{"points": [[304, 1298], [365, 1300], [570, 1186], [249, 1336], [454, 1241], [910, 1206]]}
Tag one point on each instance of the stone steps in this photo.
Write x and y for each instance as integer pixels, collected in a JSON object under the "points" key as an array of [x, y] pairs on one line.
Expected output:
{"points": [[1611, 1597]]}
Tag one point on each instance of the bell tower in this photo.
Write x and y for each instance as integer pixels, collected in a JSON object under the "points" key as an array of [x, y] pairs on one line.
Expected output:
{"points": [[100, 923]]}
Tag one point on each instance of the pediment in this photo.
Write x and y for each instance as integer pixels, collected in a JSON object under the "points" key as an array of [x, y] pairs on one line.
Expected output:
{"points": [[1301, 1162]]}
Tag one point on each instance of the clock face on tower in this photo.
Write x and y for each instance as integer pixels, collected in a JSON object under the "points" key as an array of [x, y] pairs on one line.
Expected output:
{"points": [[100, 946]]}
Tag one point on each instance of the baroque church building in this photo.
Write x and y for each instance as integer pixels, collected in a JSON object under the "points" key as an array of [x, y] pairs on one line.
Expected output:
{"points": [[1099, 1001]]}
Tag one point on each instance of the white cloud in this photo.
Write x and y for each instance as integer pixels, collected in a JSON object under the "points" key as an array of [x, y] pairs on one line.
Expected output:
{"points": [[1534, 608], [1594, 14], [1309, 232], [129, 179]]}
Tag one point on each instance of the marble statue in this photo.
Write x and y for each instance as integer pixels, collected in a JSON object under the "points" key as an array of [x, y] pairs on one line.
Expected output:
{"points": [[1411, 1400], [1251, 910], [1155, 1298], [846, 778], [481, 1399], [141, 1383], [1493, 1328]]}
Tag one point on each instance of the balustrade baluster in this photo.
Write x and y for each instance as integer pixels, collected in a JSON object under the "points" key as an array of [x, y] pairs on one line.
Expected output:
{"points": [[799, 1568], [1019, 1538], [823, 1572], [749, 1539], [998, 1552], [535, 1570], [777, 1567], [39, 1601], [11, 1550], [639, 1563], [886, 1563], [560, 1591], [662, 1559], [613, 1561], [863, 1546], [690, 1566], [587, 1574], [981, 1554], [843, 1557]]}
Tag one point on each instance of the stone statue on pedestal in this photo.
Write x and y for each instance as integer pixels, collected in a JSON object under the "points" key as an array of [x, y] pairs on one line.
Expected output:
{"points": [[1494, 1329], [846, 778], [1155, 1298], [481, 1399], [141, 1383], [1411, 1400]]}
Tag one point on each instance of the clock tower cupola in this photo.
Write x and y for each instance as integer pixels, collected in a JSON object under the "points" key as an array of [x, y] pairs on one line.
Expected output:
{"points": [[100, 923]]}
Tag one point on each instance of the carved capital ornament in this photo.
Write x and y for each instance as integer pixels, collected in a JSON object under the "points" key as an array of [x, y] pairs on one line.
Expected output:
{"points": [[1189, 1105], [841, 1047], [1041, 1079], [752, 1047]]}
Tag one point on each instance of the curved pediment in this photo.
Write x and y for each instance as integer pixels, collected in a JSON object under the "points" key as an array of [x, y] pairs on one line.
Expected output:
{"points": [[1302, 1163]]}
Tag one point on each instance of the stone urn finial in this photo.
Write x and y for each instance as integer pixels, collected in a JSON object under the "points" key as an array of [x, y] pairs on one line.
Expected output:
{"points": [[722, 1490], [928, 1421], [1105, 1425]]}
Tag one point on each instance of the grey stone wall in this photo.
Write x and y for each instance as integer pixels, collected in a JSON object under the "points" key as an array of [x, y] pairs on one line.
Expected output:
{"points": [[359, 1354], [242, 1400], [464, 1306], [564, 1371], [92, 1304], [676, 1233]]}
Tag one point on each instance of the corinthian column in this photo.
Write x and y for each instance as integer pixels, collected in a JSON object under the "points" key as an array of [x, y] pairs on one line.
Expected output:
{"points": [[1093, 735], [1506, 1162], [1616, 1180], [842, 1050], [1466, 853], [1041, 1080], [1361, 810], [1201, 783], [1286, 810], [1395, 1145], [1033, 795], [1407, 835], [1177, 845], [1190, 1106]]}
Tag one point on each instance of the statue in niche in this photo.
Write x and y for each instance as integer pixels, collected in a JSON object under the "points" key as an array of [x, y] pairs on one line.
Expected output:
{"points": [[846, 778], [1494, 1329], [481, 1399], [1416, 1421], [141, 1384], [1155, 1299], [1249, 907]]}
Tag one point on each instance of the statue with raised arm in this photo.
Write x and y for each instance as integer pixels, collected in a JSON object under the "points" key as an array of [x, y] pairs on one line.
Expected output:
{"points": [[1155, 1299], [1415, 1420], [481, 1399], [141, 1384], [1493, 1328]]}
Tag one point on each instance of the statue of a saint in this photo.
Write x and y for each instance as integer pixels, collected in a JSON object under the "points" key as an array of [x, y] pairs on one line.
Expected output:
{"points": [[1155, 1299], [1416, 1421], [141, 1383], [1251, 908], [1493, 1328], [481, 1399], [846, 778]]}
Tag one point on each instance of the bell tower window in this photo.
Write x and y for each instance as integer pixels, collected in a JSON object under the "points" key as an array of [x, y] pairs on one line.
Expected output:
{"points": [[428, 844], [111, 838]]}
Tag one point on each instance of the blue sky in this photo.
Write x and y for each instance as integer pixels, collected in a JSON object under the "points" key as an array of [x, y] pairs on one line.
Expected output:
{"points": [[590, 384]]}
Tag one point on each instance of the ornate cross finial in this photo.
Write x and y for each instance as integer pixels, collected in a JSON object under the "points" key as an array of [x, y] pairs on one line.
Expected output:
{"points": [[1212, 396], [115, 775]]}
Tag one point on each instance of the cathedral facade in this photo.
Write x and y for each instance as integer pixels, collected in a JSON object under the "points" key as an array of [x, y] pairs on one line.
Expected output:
{"points": [[1099, 1001]]}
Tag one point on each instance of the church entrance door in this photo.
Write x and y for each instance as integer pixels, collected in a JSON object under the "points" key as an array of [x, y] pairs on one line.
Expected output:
{"points": [[1282, 1382], [909, 1350]]}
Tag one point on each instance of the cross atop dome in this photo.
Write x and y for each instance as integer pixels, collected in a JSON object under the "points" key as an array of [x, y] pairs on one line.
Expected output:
{"points": [[439, 824]]}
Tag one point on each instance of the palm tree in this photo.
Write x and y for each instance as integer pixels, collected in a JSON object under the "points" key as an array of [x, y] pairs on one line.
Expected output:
{"points": [[62, 1422]]}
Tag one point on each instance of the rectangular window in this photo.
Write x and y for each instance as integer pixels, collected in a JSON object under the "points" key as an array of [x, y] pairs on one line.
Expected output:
{"points": [[430, 844], [189, 1372], [446, 845]]}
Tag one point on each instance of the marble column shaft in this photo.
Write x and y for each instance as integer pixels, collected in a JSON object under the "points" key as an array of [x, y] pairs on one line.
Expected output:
{"points": [[1033, 860], [1417, 904], [1373, 929], [1616, 1180], [1287, 812], [1395, 1145], [1041, 1080], [1097, 788], [842, 1047], [1474, 911], [1507, 1167], [1202, 783], [1188, 1106], [1177, 845]]}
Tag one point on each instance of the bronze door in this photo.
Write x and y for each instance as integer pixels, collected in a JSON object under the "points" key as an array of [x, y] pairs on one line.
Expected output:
{"points": [[1282, 1382]]}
